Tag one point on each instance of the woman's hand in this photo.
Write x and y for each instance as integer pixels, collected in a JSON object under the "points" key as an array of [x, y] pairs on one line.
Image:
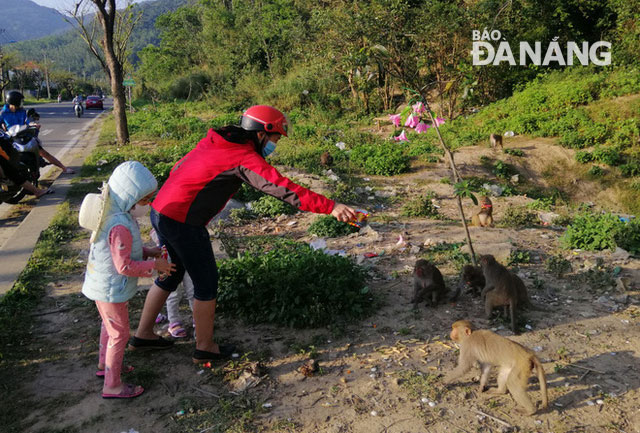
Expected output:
{"points": [[343, 213], [163, 266]]}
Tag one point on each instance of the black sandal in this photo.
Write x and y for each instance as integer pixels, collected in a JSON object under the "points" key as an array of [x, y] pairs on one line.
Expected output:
{"points": [[136, 343]]}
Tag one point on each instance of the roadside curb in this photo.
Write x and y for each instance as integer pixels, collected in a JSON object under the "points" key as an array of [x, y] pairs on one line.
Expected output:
{"points": [[17, 250]]}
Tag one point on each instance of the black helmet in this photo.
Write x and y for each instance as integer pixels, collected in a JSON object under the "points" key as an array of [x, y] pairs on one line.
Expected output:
{"points": [[15, 98]]}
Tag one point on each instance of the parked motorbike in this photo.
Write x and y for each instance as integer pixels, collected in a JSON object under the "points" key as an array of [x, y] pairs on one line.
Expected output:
{"points": [[9, 191], [25, 141]]}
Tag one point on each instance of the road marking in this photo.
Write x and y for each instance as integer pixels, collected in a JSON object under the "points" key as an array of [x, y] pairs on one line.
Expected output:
{"points": [[73, 132], [45, 132]]}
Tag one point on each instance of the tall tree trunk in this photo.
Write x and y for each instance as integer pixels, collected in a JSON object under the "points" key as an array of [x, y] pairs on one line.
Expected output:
{"points": [[119, 104]]}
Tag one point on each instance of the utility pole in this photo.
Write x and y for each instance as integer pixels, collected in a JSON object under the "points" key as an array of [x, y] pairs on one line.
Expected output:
{"points": [[46, 76]]}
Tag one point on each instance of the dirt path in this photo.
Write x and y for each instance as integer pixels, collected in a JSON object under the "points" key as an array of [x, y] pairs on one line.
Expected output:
{"points": [[379, 375]]}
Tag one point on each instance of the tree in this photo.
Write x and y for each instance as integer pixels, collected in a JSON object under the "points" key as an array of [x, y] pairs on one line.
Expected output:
{"points": [[113, 30]]}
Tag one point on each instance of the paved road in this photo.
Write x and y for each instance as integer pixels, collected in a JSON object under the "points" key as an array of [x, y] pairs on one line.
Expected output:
{"points": [[68, 139]]}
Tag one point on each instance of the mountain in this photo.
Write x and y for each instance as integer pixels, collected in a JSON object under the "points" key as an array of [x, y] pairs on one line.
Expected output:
{"points": [[24, 19], [68, 51]]}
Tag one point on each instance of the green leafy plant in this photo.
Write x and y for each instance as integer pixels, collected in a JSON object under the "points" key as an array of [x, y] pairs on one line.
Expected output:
{"points": [[518, 216], [385, 158], [590, 231], [328, 226], [628, 237], [595, 171], [268, 206], [421, 206], [248, 193], [545, 203], [503, 170], [287, 283], [241, 215], [557, 265], [518, 256], [447, 253], [465, 188], [514, 152], [583, 157]]}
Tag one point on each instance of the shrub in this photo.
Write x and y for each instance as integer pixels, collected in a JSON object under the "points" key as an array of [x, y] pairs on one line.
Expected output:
{"points": [[596, 171], [420, 206], [591, 232], [328, 226], [267, 206], [518, 256], [513, 152], [240, 215], [503, 170], [518, 216], [628, 238], [584, 157], [447, 253], [287, 283], [543, 203], [386, 158], [607, 155], [558, 265]]}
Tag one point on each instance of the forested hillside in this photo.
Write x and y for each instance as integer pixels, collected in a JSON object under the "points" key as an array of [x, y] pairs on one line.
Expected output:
{"points": [[69, 51], [24, 19]]}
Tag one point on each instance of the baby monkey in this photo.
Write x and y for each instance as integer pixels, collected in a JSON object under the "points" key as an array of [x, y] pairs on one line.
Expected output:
{"points": [[484, 217], [515, 363], [496, 140], [428, 284], [472, 279]]}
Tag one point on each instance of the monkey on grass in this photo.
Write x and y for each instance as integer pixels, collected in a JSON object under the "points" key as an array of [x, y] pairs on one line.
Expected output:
{"points": [[484, 218], [514, 361], [496, 140]]}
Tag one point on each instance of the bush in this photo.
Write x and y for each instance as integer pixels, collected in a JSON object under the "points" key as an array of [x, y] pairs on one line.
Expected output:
{"points": [[592, 232], [596, 171], [558, 265], [513, 152], [287, 283], [268, 206], [503, 170], [248, 193], [519, 256], [190, 87], [584, 157], [328, 226], [518, 216], [628, 238], [420, 206], [385, 158], [447, 253]]}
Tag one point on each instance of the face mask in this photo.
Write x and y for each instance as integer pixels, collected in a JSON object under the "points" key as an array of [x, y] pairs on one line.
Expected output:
{"points": [[138, 211], [268, 148]]}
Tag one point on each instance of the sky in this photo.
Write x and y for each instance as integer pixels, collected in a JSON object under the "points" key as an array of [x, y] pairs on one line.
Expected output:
{"points": [[68, 4]]}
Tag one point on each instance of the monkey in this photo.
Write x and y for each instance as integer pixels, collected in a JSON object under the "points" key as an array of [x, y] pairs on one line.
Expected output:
{"points": [[326, 159], [502, 288], [428, 284], [484, 218], [472, 279], [496, 140], [515, 363]]}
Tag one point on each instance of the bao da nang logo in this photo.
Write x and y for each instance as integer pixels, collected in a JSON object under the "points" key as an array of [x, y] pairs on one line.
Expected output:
{"points": [[486, 53]]}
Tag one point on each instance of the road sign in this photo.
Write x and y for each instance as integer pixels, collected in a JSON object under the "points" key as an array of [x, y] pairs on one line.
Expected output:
{"points": [[128, 82]]}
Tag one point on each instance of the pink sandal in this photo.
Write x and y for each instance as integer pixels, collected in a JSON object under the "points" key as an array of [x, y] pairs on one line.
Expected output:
{"points": [[128, 391], [176, 330]]}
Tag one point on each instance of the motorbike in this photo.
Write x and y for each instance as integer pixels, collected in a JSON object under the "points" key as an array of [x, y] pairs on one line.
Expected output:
{"points": [[25, 141], [10, 192], [77, 108]]}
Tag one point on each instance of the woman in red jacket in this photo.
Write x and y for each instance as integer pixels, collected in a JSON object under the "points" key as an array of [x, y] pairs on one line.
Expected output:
{"points": [[198, 187]]}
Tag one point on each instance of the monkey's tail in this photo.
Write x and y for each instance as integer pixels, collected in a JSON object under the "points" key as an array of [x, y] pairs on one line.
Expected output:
{"points": [[543, 381]]}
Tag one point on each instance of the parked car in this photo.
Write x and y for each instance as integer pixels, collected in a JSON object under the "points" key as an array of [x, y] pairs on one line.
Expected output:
{"points": [[93, 101]]}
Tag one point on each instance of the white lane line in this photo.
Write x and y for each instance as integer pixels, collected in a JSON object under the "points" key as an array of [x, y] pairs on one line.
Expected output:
{"points": [[45, 132], [73, 132]]}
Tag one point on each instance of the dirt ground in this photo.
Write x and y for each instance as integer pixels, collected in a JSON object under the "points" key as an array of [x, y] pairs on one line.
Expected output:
{"points": [[382, 374]]}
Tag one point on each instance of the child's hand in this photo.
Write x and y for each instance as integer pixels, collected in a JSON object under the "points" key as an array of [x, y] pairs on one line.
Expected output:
{"points": [[164, 267], [154, 252]]}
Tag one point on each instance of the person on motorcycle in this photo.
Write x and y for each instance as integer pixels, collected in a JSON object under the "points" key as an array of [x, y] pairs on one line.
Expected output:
{"points": [[14, 114], [77, 101]]}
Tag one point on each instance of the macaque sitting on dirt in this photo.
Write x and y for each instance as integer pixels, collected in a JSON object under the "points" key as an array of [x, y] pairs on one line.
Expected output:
{"points": [[496, 140], [484, 218], [515, 363], [428, 284], [472, 279], [502, 289]]}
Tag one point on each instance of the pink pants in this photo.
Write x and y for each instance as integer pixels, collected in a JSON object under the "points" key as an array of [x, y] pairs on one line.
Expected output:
{"points": [[114, 335]]}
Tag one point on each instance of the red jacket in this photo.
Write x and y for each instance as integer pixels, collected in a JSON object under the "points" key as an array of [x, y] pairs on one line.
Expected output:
{"points": [[202, 182]]}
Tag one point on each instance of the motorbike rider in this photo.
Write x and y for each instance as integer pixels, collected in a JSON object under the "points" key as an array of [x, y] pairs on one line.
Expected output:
{"points": [[14, 114]]}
